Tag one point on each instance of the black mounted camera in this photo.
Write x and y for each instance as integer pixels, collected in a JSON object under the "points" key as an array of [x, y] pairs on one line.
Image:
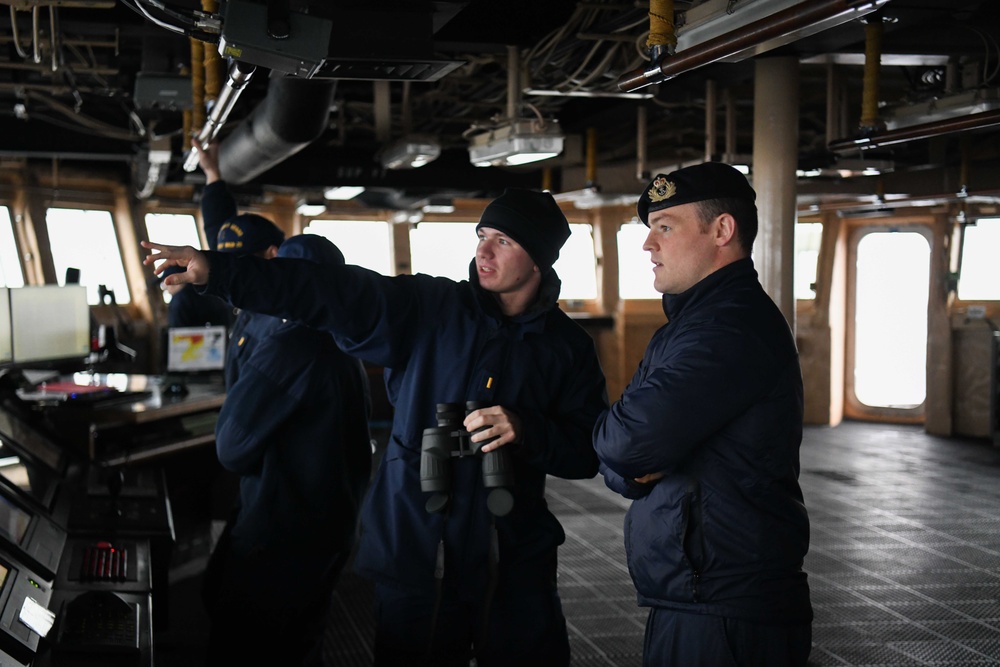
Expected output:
{"points": [[448, 440]]}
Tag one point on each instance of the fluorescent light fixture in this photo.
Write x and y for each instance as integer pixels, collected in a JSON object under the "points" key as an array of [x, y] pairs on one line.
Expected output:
{"points": [[438, 205], [848, 168], [520, 142], [343, 192], [410, 152], [310, 208]]}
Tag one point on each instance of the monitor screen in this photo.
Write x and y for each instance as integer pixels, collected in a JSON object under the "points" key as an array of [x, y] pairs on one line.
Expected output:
{"points": [[17, 435], [49, 323], [6, 344], [13, 521], [26, 477], [196, 348]]}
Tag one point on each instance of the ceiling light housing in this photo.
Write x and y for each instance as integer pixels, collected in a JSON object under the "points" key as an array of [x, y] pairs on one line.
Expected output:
{"points": [[343, 192], [310, 207], [410, 152], [519, 142]]}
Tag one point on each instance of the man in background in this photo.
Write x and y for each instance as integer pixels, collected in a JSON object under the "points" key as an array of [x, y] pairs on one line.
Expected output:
{"points": [[294, 427], [229, 231], [187, 308]]}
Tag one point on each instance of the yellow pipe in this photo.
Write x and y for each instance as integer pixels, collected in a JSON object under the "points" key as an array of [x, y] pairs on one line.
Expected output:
{"points": [[213, 62], [197, 87], [591, 156], [661, 25], [873, 58], [547, 179]]}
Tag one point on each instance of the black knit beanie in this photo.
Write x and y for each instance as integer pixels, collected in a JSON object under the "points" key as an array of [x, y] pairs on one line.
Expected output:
{"points": [[531, 218]]}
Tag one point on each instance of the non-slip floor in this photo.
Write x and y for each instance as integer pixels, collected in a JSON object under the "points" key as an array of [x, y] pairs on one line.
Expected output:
{"points": [[904, 563]]}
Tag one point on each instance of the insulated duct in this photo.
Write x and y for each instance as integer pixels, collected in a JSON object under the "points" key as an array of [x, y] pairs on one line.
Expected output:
{"points": [[294, 113]]}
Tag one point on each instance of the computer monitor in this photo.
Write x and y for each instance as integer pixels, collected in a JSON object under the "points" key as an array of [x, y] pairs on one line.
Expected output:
{"points": [[196, 349], [49, 324]]}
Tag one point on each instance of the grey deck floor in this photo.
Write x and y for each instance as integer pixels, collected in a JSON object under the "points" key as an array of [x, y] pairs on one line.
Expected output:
{"points": [[904, 563]]}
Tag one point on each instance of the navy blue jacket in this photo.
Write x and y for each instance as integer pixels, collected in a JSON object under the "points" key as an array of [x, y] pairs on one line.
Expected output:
{"points": [[716, 405], [187, 308], [443, 341], [218, 206], [294, 427]]}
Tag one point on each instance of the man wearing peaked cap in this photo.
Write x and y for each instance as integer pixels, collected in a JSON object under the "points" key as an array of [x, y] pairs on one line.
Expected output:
{"points": [[187, 308], [462, 578], [294, 428], [247, 234], [705, 440], [710, 180], [238, 234]]}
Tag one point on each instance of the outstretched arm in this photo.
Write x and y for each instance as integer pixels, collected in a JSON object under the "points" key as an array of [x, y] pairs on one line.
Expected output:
{"points": [[193, 260]]}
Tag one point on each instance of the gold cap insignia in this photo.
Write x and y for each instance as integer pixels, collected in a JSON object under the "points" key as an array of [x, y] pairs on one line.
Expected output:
{"points": [[661, 189]]}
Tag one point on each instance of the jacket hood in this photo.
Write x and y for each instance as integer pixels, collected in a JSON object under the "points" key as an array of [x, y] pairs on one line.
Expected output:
{"points": [[546, 299]]}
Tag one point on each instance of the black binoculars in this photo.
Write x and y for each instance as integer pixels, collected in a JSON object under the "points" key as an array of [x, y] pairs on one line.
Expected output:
{"points": [[448, 440]]}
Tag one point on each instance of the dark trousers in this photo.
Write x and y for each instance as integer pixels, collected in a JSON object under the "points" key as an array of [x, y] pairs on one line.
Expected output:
{"points": [[265, 615], [522, 628], [696, 640]]}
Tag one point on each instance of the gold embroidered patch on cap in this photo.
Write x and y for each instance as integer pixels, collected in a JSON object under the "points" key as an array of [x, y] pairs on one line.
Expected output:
{"points": [[662, 189]]}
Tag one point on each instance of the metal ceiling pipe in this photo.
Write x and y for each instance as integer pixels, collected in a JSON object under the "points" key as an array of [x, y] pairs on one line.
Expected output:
{"points": [[15, 35], [711, 101], [641, 152], [37, 52], [513, 83], [977, 121], [730, 137], [240, 74], [294, 113], [780, 23]]}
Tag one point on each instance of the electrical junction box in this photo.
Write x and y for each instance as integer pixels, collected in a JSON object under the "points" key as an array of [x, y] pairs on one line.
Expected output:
{"points": [[245, 38], [171, 92]]}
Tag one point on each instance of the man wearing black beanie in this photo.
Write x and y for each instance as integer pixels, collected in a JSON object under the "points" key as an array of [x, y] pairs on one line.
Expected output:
{"points": [[457, 574]]}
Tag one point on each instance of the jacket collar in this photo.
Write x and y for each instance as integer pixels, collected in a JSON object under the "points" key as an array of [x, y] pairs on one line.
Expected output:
{"points": [[546, 299], [674, 304]]}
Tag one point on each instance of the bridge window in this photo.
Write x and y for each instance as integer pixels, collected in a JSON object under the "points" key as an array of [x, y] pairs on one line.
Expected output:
{"points": [[10, 264], [635, 271], [807, 241], [172, 229], [979, 279], [443, 248], [577, 265], [366, 243], [86, 240]]}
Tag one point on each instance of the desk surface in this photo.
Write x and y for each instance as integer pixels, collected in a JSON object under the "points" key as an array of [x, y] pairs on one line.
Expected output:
{"points": [[152, 402]]}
